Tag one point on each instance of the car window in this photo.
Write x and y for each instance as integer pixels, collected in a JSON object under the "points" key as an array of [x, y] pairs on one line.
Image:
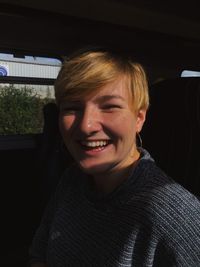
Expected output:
{"points": [[26, 85]]}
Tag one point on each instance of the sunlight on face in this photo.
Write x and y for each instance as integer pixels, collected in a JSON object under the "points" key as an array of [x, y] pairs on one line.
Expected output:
{"points": [[99, 131]]}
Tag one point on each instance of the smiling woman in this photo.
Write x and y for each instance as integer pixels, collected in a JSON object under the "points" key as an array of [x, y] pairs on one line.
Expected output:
{"points": [[95, 138], [113, 206]]}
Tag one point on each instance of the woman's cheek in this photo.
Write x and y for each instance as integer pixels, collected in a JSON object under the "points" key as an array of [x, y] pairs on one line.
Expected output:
{"points": [[65, 123], [117, 119]]}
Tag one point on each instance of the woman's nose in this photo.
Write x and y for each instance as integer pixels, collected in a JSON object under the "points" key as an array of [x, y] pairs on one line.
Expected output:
{"points": [[90, 121]]}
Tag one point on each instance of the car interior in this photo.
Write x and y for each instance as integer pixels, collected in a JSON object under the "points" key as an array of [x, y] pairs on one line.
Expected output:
{"points": [[163, 36]]}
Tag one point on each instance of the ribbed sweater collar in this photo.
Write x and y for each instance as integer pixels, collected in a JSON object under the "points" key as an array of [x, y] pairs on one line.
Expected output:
{"points": [[123, 192]]}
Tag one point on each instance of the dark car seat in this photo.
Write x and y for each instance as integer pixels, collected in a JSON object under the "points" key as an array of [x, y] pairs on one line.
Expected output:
{"points": [[172, 129], [53, 156]]}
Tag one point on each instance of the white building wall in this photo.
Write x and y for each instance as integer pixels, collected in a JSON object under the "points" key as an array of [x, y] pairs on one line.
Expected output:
{"points": [[33, 70]]}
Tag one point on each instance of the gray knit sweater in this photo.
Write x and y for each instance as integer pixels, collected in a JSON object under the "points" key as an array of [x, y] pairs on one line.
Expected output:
{"points": [[150, 220]]}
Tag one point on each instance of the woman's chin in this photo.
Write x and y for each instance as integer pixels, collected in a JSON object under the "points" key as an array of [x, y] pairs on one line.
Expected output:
{"points": [[94, 169]]}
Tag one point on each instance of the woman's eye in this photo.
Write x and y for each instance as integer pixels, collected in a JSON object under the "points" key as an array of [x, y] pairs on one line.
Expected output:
{"points": [[110, 107]]}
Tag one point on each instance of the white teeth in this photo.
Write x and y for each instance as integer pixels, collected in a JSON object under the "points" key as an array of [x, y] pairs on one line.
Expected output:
{"points": [[94, 143]]}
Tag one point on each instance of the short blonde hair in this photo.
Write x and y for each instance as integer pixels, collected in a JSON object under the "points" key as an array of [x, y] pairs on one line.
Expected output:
{"points": [[87, 72]]}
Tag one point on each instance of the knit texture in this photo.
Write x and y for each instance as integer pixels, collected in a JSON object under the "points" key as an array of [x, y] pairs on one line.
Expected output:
{"points": [[149, 220]]}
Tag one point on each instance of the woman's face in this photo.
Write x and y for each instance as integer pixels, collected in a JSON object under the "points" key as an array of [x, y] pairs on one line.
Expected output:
{"points": [[99, 131]]}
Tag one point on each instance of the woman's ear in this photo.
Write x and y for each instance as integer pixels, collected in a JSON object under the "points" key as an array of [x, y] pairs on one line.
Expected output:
{"points": [[140, 119]]}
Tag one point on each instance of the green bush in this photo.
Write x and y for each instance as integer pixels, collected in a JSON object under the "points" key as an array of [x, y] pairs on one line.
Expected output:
{"points": [[20, 110]]}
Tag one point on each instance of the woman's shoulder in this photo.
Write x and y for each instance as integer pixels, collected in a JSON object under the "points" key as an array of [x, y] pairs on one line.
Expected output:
{"points": [[165, 193], [158, 182], [166, 200], [174, 213], [171, 209]]}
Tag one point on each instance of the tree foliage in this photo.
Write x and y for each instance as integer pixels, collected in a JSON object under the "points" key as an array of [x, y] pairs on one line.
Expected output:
{"points": [[20, 110]]}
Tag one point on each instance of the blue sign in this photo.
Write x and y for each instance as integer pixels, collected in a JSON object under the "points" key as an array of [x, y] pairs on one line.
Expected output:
{"points": [[3, 71]]}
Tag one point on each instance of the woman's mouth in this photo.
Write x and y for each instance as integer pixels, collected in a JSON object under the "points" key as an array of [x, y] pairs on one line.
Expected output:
{"points": [[96, 145]]}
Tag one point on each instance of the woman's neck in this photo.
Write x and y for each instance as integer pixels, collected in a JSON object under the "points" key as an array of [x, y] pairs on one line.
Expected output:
{"points": [[106, 183]]}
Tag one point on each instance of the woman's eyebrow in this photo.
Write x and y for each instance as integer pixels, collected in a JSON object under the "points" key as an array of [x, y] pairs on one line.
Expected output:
{"points": [[109, 97]]}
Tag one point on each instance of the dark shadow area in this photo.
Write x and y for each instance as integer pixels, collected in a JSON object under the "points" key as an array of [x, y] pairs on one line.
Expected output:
{"points": [[172, 130]]}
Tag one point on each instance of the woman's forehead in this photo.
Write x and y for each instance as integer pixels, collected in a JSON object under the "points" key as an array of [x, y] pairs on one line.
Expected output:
{"points": [[116, 89]]}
